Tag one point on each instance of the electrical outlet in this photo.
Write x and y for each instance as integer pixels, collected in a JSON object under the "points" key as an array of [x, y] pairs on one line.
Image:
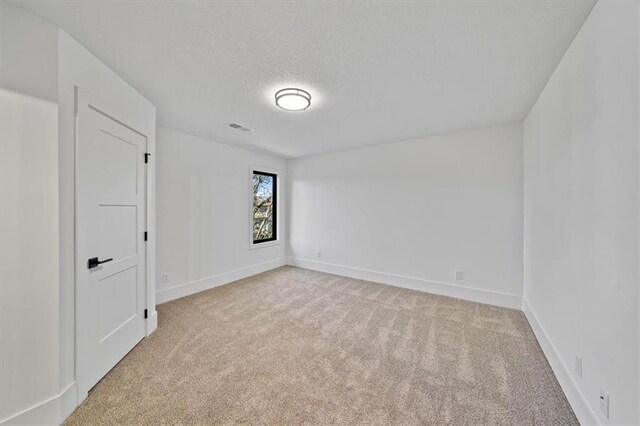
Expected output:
{"points": [[459, 275], [579, 366], [318, 254], [604, 403], [165, 277]]}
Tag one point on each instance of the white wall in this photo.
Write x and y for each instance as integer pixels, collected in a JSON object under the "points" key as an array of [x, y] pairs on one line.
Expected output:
{"points": [[41, 60], [79, 67], [412, 213], [203, 205], [581, 215], [28, 53], [28, 252], [29, 308]]}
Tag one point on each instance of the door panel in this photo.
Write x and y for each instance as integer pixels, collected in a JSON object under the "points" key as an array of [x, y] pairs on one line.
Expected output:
{"points": [[118, 231], [120, 286], [110, 224], [118, 173]]}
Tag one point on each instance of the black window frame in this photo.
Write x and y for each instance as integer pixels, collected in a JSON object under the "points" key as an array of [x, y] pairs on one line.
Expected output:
{"points": [[274, 213]]}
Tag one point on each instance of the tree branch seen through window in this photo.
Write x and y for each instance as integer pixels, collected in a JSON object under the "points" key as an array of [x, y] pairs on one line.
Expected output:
{"points": [[265, 203]]}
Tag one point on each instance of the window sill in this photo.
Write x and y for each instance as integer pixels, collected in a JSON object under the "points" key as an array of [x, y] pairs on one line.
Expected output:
{"points": [[253, 246]]}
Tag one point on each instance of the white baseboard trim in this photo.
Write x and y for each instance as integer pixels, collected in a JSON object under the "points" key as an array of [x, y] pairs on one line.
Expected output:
{"points": [[68, 401], [51, 411], [186, 289], [152, 322], [574, 395], [445, 289]]}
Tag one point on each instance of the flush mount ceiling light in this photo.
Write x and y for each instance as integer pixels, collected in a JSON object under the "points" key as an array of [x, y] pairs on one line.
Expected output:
{"points": [[293, 99]]}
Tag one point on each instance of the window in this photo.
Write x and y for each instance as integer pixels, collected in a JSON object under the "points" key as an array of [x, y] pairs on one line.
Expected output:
{"points": [[265, 207]]}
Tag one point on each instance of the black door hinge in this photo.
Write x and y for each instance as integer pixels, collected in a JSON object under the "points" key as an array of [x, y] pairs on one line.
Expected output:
{"points": [[145, 235], [146, 157], [146, 315]]}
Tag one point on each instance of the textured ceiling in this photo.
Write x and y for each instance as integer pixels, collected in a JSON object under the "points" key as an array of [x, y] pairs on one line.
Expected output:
{"points": [[377, 71]]}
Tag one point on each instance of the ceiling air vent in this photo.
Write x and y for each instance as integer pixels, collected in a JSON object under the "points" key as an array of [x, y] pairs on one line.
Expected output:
{"points": [[239, 127]]}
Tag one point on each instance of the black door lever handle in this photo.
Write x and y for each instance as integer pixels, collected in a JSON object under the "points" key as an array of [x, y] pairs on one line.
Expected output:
{"points": [[93, 262]]}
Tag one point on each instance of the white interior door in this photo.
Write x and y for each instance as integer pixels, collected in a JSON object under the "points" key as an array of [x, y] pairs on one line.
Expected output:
{"points": [[110, 239]]}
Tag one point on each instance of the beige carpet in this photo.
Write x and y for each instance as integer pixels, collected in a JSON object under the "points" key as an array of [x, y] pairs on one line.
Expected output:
{"points": [[292, 346]]}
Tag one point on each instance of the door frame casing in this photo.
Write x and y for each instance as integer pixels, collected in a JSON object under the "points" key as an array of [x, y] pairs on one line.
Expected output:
{"points": [[147, 128]]}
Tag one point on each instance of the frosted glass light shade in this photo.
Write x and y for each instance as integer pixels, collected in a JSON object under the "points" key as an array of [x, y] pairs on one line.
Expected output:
{"points": [[293, 99]]}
